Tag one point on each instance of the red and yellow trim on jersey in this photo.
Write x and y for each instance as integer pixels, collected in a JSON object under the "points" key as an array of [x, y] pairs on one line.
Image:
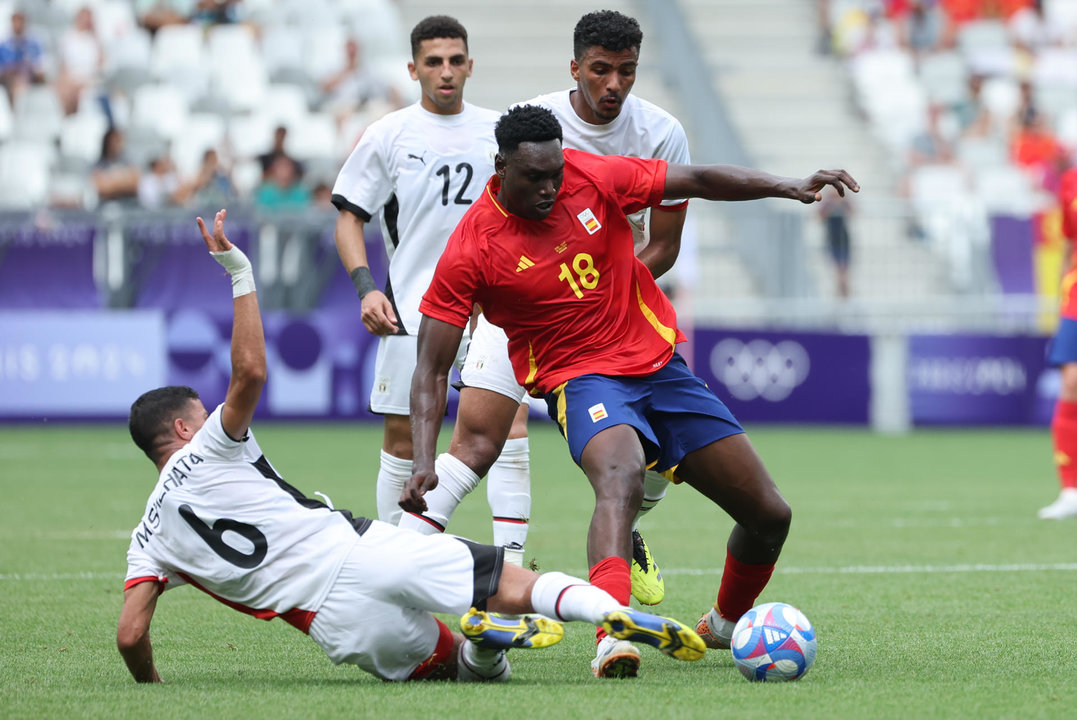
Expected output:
{"points": [[159, 579], [532, 367], [667, 333], [296, 617]]}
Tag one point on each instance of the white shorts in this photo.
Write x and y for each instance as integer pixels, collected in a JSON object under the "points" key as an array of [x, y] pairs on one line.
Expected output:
{"points": [[487, 365], [393, 368], [377, 614]]}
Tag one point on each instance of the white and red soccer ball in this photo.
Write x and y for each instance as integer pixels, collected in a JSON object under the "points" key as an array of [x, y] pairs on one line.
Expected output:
{"points": [[773, 642]]}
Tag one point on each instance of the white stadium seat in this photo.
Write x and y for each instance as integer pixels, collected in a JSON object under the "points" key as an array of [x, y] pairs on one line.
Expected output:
{"points": [[162, 108], [81, 134], [24, 174], [202, 132]]}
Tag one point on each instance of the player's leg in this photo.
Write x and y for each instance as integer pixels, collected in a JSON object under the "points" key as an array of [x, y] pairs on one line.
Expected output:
{"points": [[508, 490], [730, 473], [391, 396], [483, 420], [1064, 429]]}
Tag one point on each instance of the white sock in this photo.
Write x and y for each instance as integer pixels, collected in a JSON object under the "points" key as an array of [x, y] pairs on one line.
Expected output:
{"points": [[455, 481], [564, 597], [508, 490], [392, 474], [654, 489], [476, 664]]}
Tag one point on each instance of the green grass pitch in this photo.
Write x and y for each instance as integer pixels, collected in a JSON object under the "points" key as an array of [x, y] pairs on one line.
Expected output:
{"points": [[935, 591]]}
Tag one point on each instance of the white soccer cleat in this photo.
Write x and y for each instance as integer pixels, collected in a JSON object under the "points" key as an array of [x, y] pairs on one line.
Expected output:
{"points": [[1064, 507], [615, 659], [716, 631]]}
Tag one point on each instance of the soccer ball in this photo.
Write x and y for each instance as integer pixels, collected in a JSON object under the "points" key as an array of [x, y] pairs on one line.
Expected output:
{"points": [[773, 642]]}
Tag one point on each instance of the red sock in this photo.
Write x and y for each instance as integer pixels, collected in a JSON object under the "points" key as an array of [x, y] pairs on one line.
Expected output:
{"points": [[1064, 432], [612, 575], [741, 585]]}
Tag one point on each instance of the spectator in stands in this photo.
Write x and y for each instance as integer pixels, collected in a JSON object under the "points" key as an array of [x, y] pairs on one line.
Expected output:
{"points": [[322, 196], [81, 59], [834, 210], [973, 117], [213, 186], [281, 189], [156, 14], [930, 146], [268, 159], [114, 176], [160, 186], [1035, 148], [920, 28], [22, 58]]}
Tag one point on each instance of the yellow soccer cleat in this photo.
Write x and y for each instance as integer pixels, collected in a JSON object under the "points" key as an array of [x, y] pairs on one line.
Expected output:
{"points": [[648, 587], [527, 631], [669, 636]]}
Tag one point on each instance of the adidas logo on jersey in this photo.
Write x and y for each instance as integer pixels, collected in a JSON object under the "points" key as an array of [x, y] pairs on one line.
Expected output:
{"points": [[525, 262]]}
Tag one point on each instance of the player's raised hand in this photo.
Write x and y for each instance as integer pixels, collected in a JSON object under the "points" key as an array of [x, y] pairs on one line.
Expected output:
{"points": [[411, 499], [377, 314], [217, 242], [809, 189]]}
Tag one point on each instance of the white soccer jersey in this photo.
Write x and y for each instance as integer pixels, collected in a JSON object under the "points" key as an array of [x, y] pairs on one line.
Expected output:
{"points": [[642, 129], [422, 171], [222, 519]]}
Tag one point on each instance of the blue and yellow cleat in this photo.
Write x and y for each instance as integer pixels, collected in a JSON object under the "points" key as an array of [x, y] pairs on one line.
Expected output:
{"points": [[648, 587], [669, 636], [527, 631]]}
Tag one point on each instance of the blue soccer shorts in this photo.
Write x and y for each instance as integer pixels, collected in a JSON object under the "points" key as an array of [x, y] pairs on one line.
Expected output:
{"points": [[1063, 346], [672, 410]]}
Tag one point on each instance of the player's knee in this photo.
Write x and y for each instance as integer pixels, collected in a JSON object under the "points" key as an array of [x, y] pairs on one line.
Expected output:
{"points": [[773, 520], [620, 488], [477, 450]]}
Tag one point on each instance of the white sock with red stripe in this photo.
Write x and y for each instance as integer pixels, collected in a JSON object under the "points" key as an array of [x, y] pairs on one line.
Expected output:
{"points": [[455, 481], [508, 490], [392, 474], [564, 597]]}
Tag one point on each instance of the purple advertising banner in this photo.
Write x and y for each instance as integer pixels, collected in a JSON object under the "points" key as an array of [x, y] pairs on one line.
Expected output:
{"points": [[786, 376], [979, 380], [76, 364], [47, 268]]}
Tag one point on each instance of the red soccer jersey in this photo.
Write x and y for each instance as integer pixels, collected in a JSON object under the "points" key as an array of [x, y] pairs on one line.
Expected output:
{"points": [[568, 290], [1067, 198]]}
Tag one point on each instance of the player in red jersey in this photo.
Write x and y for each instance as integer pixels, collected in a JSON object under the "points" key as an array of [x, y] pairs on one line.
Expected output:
{"points": [[547, 253], [1063, 352]]}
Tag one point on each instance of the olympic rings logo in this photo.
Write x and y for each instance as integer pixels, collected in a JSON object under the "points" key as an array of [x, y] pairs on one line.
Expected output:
{"points": [[760, 368]]}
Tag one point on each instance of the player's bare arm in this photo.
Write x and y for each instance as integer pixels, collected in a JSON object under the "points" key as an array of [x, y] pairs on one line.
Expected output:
{"points": [[438, 342], [664, 243], [133, 631], [248, 338], [733, 183], [377, 312]]}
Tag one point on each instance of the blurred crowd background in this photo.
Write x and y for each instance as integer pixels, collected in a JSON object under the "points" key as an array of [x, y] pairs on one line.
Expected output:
{"points": [[121, 119]]}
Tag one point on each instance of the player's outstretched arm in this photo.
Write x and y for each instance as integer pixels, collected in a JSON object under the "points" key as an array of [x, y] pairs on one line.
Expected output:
{"points": [[133, 631], [438, 343], [733, 183], [248, 338], [377, 312]]}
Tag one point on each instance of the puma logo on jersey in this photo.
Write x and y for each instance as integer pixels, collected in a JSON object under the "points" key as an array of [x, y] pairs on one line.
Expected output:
{"points": [[589, 221], [525, 262], [420, 158]]}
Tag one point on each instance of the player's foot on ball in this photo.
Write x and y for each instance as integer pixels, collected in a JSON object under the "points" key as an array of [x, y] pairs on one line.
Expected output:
{"points": [[716, 631], [527, 631], [648, 587], [615, 659], [669, 636]]}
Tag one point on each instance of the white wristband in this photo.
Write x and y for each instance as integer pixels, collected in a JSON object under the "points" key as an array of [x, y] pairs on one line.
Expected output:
{"points": [[239, 267]]}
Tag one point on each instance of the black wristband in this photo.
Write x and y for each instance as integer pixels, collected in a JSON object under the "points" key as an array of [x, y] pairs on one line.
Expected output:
{"points": [[362, 280]]}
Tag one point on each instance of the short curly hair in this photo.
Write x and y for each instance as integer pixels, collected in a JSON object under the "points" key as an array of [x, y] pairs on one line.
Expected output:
{"points": [[526, 123], [607, 29], [436, 26]]}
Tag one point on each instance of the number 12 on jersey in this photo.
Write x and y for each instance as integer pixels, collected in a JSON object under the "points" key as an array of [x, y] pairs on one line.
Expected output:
{"points": [[584, 266]]}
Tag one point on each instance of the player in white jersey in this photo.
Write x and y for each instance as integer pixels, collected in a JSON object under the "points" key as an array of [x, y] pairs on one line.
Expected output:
{"points": [[221, 519], [600, 116], [420, 167]]}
